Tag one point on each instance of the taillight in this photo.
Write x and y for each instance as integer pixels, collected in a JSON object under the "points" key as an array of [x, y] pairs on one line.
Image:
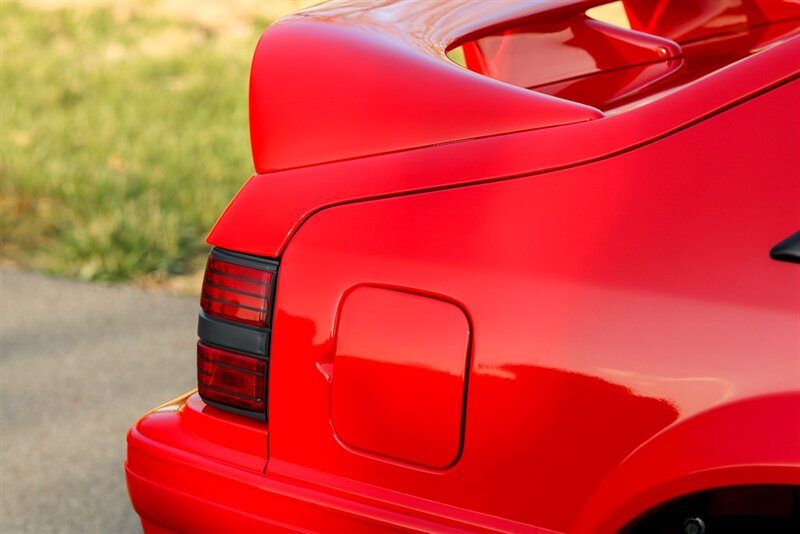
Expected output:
{"points": [[236, 292], [231, 378], [232, 354]]}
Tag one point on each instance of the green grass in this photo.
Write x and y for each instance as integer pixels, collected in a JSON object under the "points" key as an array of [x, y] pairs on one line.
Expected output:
{"points": [[123, 138]]}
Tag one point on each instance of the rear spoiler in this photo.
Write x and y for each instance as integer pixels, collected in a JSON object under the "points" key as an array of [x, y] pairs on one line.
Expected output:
{"points": [[364, 77], [346, 79]]}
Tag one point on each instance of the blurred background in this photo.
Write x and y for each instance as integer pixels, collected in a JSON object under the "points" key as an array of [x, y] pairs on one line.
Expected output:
{"points": [[124, 132], [123, 135]]}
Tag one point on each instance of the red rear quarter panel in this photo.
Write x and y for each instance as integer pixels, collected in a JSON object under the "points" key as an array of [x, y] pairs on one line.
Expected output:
{"points": [[611, 302]]}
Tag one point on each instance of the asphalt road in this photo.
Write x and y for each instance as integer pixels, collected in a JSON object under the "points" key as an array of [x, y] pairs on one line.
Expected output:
{"points": [[79, 363]]}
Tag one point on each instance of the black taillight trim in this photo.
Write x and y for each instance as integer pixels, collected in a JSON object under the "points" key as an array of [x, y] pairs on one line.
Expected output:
{"points": [[233, 336], [245, 260]]}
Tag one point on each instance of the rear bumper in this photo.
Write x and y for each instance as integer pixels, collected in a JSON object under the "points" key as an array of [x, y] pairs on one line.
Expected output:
{"points": [[194, 468]]}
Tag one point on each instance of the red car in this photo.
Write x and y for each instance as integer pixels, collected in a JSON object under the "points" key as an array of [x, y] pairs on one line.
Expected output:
{"points": [[553, 289]]}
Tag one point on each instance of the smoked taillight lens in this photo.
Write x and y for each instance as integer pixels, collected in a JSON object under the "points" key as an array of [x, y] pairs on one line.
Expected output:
{"points": [[236, 292], [231, 378], [234, 328]]}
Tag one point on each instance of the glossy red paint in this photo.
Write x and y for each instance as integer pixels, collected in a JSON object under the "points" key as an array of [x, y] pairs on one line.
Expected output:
{"points": [[691, 20], [738, 443], [617, 65], [247, 226], [387, 394], [582, 53], [592, 333], [594, 324]]}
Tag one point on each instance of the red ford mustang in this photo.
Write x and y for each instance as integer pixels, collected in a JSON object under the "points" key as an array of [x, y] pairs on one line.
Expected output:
{"points": [[551, 289]]}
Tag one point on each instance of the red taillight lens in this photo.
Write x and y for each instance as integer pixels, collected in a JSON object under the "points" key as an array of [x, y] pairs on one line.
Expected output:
{"points": [[234, 331], [230, 378], [236, 292]]}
